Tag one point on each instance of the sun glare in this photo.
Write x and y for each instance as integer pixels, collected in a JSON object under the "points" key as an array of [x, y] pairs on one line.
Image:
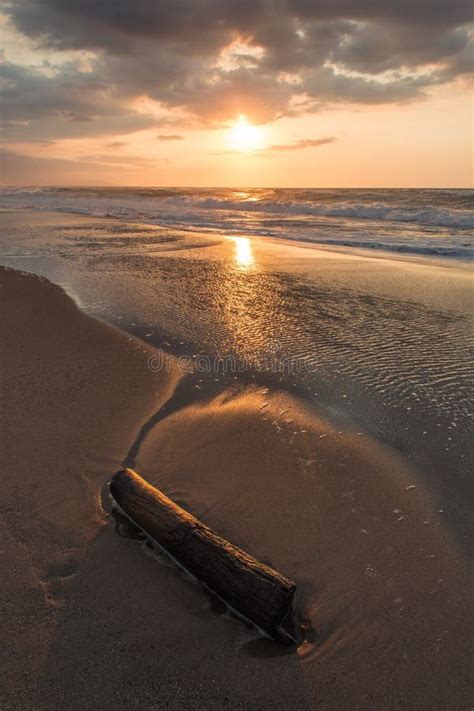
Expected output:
{"points": [[243, 252], [245, 137]]}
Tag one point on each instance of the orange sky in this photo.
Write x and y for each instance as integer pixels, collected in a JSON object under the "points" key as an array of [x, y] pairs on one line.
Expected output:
{"points": [[71, 122]]}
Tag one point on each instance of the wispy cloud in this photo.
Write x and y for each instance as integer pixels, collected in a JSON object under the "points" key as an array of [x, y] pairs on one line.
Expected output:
{"points": [[300, 144], [169, 137]]}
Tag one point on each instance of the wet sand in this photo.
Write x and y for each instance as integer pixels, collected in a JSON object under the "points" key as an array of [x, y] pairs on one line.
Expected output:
{"points": [[95, 620], [371, 339]]}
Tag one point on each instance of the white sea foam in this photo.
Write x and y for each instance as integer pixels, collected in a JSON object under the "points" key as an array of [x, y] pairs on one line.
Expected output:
{"points": [[431, 222]]}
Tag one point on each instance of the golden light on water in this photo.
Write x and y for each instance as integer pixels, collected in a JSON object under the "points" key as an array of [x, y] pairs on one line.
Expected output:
{"points": [[246, 299], [244, 137], [243, 252]]}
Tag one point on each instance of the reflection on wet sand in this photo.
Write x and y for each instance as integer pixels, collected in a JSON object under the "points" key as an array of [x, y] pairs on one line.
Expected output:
{"points": [[243, 252], [384, 343]]}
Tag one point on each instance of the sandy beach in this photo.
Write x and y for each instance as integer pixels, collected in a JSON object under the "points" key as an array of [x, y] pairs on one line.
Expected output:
{"points": [[97, 620], [236, 348]]}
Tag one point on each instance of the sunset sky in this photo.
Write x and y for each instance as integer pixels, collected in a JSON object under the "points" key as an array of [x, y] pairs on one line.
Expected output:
{"points": [[237, 92]]}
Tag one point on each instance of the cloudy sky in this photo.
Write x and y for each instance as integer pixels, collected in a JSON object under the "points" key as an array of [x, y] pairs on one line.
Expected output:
{"points": [[154, 92]]}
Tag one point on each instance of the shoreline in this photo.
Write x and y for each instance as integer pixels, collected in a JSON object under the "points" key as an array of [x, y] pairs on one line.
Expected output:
{"points": [[378, 344], [384, 593], [430, 259]]}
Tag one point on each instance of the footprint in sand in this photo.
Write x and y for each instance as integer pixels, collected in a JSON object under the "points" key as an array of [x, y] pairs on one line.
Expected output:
{"points": [[56, 579]]}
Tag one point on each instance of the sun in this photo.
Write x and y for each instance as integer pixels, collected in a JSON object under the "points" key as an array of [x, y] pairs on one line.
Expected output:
{"points": [[244, 137]]}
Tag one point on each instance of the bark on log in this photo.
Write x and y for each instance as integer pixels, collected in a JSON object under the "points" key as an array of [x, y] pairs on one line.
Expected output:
{"points": [[253, 589]]}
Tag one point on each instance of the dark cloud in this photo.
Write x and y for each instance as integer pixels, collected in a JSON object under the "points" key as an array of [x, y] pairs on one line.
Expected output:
{"points": [[169, 137], [325, 51], [202, 25], [41, 105], [377, 47], [334, 87]]}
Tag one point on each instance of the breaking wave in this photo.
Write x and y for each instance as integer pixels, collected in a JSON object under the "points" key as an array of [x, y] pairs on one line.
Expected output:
{"points": [[425, 222]]}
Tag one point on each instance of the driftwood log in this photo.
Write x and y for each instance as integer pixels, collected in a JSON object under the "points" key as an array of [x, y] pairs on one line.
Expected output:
{"points": [[253, 589]]}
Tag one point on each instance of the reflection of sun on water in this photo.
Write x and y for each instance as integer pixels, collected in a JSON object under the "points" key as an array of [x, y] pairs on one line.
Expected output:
{"points": [[244, 295], [243, 252]]}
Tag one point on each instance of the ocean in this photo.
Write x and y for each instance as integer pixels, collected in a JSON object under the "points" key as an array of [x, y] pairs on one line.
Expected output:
{"points": [[434, 223]]}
